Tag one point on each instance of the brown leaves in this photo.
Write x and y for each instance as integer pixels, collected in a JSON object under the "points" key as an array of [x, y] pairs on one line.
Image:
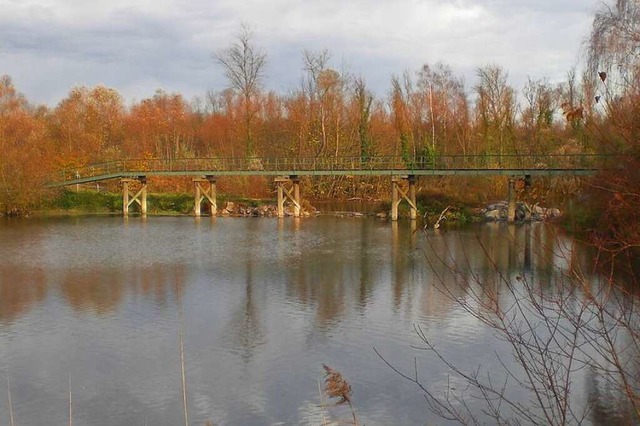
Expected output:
{"points": [[602, 75], [336, 386], [572, 113]]}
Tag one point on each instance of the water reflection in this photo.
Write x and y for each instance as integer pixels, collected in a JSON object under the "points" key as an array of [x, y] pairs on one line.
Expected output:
{"points": [[245, 324], [328, 274], [100, 291], [264, 303], [20, 288]]}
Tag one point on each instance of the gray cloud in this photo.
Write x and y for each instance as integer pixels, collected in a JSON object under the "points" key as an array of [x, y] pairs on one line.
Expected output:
{"points": [[48, 47]]}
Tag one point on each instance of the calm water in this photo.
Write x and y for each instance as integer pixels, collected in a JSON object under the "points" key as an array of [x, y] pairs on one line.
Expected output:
{"points": [[264, 304]]}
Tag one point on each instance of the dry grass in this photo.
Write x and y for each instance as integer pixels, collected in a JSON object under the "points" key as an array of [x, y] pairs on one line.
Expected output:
{"points": [[337, 388]]}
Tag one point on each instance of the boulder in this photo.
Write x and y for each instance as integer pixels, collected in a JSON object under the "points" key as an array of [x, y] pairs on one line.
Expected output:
{"points": [[497, 206], [493, 214], [229, 208], [552, 214], [499, 211]]}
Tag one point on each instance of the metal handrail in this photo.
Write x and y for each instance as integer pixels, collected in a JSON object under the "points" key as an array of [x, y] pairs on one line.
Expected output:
{"points": [[342, 164]]}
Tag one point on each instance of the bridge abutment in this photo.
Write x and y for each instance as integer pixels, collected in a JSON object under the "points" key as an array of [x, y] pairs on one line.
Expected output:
{"points": [[400, 192]]}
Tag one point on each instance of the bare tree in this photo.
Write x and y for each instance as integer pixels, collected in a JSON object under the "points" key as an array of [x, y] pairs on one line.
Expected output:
{"points": [[496, 109], [244, 66], [315, 64], [584, 325], [614, 45], [448, 107], [401, 115], [542, 100], [614, 78], [364, 99]]}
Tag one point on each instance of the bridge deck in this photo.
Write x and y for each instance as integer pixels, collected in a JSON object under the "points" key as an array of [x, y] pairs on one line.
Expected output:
{"points": [[485, 165]]}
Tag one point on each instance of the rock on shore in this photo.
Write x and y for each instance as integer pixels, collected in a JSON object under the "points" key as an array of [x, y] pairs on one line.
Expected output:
{"points": [[498, 212], [231, 208]]}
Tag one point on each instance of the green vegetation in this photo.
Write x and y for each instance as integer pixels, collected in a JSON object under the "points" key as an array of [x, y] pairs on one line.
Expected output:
{"points": [[85, 202], [432, 204], [69, 202], [94, 202], [170, 203]]}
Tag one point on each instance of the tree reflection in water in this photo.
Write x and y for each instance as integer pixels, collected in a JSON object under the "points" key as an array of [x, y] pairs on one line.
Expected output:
{"points": [[265, 302]]}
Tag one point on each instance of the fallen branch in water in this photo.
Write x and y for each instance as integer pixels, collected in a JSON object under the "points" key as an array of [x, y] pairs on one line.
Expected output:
{"points": [[440, 219]]}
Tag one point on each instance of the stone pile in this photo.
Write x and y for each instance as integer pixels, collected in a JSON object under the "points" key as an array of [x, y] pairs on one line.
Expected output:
{"points": [[499, 212], [231, 208]]}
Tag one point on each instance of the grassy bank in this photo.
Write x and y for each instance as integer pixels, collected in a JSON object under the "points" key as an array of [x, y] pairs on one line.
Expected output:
{"points": [[69, 202], [94, 202]]}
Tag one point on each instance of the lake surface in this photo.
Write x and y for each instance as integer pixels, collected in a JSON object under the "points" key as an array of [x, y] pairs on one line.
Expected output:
{"points": [[97, 305]]}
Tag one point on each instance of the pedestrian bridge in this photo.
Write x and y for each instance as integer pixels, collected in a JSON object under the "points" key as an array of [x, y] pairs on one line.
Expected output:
{"points": [[206, 170], [470, 165]]}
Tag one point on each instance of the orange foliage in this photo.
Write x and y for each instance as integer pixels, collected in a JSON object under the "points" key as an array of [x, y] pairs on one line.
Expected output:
{"points": [[23, 150]]}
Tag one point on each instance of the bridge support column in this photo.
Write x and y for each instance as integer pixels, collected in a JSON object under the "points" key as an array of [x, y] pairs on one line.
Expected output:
{"points": [[296, 197], [140, 197], [399, 193], [517, 184], [125, 197], [202, 193], [413, 207], [280, 184], [291, 194], [511, 200]]}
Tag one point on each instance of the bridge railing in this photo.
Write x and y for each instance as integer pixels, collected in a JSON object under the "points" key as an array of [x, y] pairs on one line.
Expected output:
{"points": [[341, 164], [450, 162], [93, 170]]}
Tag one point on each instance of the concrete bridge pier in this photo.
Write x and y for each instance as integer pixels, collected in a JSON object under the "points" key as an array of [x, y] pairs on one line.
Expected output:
{"points": [[401, 192], [291, 194], [140, 197], [202, 193]]}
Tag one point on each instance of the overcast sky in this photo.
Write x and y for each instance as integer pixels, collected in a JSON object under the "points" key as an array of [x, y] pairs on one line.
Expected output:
{"points": [[137, 46]]}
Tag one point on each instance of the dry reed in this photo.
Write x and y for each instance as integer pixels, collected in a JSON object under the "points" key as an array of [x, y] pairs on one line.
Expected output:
{"points": [[336, 387]]}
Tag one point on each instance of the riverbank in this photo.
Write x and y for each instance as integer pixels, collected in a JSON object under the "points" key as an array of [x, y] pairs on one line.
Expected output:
{"points": [[71, 203], [433, 208]]}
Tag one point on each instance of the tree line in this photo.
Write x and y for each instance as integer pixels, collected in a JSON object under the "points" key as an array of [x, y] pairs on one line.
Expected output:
{"points": [[426, 112], [332, 113]]}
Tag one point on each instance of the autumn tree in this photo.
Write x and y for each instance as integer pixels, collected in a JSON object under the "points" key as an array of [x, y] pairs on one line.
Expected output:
{"points": [[323, 91], [274, 126], [162, 126], [86, 124], [218, 131], [24, 159], [244, 66]]}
